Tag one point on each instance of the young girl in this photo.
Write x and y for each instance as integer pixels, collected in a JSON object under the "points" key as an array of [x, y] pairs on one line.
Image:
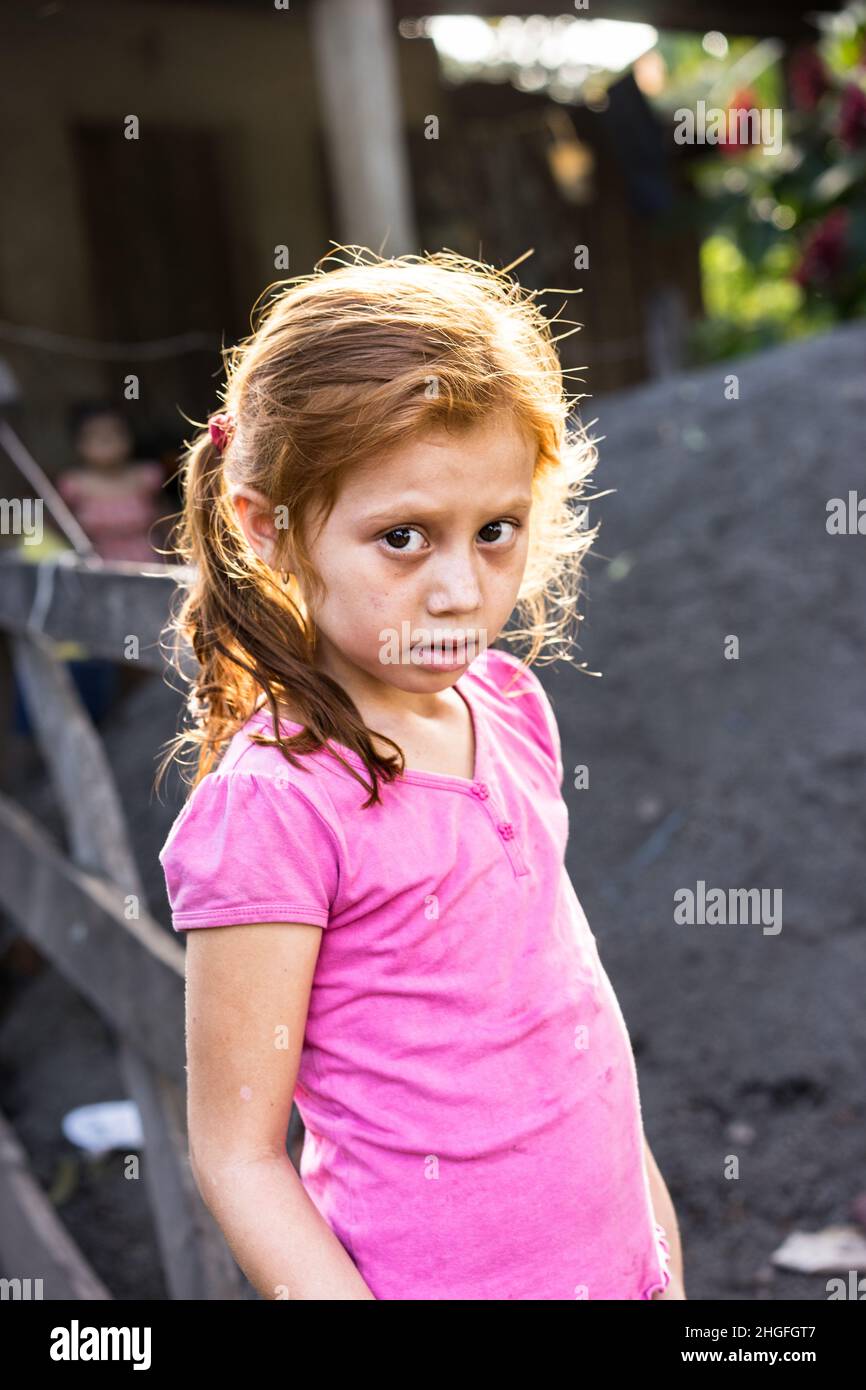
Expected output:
{"points": [[115, 498], [377, 825]]}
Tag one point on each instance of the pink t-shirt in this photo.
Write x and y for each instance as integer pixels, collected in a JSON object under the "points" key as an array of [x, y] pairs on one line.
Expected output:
{"points": [[467, 1084], [118, 515]]}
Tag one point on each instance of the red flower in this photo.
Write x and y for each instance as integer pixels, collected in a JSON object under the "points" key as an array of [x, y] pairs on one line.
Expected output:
{"points": [[852, 117], [825, 251], [742, 100]]}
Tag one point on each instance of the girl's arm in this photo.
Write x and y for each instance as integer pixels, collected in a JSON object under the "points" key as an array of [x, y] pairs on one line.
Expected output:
{"points": [[247, 996], [663, 1209]]}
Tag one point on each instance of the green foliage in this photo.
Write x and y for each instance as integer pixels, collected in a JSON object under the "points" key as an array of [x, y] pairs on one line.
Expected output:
{"points": [[752, 304], [785, 247]]}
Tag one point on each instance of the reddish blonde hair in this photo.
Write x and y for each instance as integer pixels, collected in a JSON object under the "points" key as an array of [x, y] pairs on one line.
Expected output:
{"points": [[338, 370]]}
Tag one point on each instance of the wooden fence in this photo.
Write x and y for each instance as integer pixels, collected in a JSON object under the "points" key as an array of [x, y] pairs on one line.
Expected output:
{"points": [[87, 915]]}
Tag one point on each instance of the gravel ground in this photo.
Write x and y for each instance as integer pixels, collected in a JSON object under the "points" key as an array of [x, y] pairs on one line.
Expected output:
{"points": [[743, 773]]}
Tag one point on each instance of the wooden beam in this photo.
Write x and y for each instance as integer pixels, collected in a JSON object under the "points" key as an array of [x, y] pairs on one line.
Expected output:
{"points": [[131, 972], [36, 1250], [101, 606], [196, 1259], [355, 47], [764, 18]]}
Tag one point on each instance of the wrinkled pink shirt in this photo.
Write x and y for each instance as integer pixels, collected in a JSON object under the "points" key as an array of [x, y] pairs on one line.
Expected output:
{"points": [[467, 1084]]}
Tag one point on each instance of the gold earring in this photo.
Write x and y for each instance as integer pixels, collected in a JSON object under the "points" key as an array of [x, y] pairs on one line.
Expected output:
{"points": [[285, 576]]}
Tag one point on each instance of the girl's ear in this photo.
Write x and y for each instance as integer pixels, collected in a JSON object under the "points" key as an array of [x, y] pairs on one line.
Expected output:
{"points": [[256, 519]]}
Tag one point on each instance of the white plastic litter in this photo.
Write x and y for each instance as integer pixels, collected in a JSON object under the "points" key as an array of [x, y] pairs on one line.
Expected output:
{"points": [[110, 1124], [835, 1250]]}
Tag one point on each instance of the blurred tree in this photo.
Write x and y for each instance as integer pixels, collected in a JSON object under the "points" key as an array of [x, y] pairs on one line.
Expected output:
{"points": [[785, 253]]}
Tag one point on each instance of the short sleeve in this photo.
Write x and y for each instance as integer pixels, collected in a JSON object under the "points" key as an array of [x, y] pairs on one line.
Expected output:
{"points": [[248, 847]]}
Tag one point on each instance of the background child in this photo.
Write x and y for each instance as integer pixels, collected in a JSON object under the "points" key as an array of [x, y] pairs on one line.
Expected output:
{"points": [[117, 503], [392, 479], [115, 498]]}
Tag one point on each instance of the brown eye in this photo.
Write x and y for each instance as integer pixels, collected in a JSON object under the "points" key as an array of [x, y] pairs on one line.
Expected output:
{"points": [[494, 525], [402, 532]]}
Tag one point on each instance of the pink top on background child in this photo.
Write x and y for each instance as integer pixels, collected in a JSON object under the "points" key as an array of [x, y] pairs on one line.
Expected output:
{"points": [[467, 1084], [118, 516]]}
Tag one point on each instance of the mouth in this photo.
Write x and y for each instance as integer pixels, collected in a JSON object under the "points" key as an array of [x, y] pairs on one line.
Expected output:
{"points": [[441, 654]]}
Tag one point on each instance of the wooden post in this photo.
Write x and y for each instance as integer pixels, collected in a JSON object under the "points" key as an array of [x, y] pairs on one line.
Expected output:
{"points": [[196, 1259], [356, 61], [35, 1246]]}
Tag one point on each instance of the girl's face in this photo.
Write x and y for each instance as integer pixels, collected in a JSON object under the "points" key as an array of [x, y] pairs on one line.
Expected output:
{"points": [[426, 547]]}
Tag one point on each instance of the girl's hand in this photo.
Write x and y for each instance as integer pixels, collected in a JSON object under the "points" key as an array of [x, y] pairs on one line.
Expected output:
{"points": [[674, 1290]]}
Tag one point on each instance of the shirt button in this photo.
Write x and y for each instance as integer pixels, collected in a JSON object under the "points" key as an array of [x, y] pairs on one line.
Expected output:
{"points": [[506, 830], [481, 790]]}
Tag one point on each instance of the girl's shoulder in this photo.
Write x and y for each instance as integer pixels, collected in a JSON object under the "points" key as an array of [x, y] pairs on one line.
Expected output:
{"points": [[520, 701], [254, 771], [506, 674], [254, 842]]}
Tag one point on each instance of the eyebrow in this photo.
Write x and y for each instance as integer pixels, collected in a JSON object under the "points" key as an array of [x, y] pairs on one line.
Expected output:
{"points": [[409, 508]]}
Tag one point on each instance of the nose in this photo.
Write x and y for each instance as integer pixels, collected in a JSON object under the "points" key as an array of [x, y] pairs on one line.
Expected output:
{"points": [[455, 587]]}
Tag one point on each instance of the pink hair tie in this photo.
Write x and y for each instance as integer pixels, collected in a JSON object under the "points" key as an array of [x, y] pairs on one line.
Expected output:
{"points": [[221, 427]]}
